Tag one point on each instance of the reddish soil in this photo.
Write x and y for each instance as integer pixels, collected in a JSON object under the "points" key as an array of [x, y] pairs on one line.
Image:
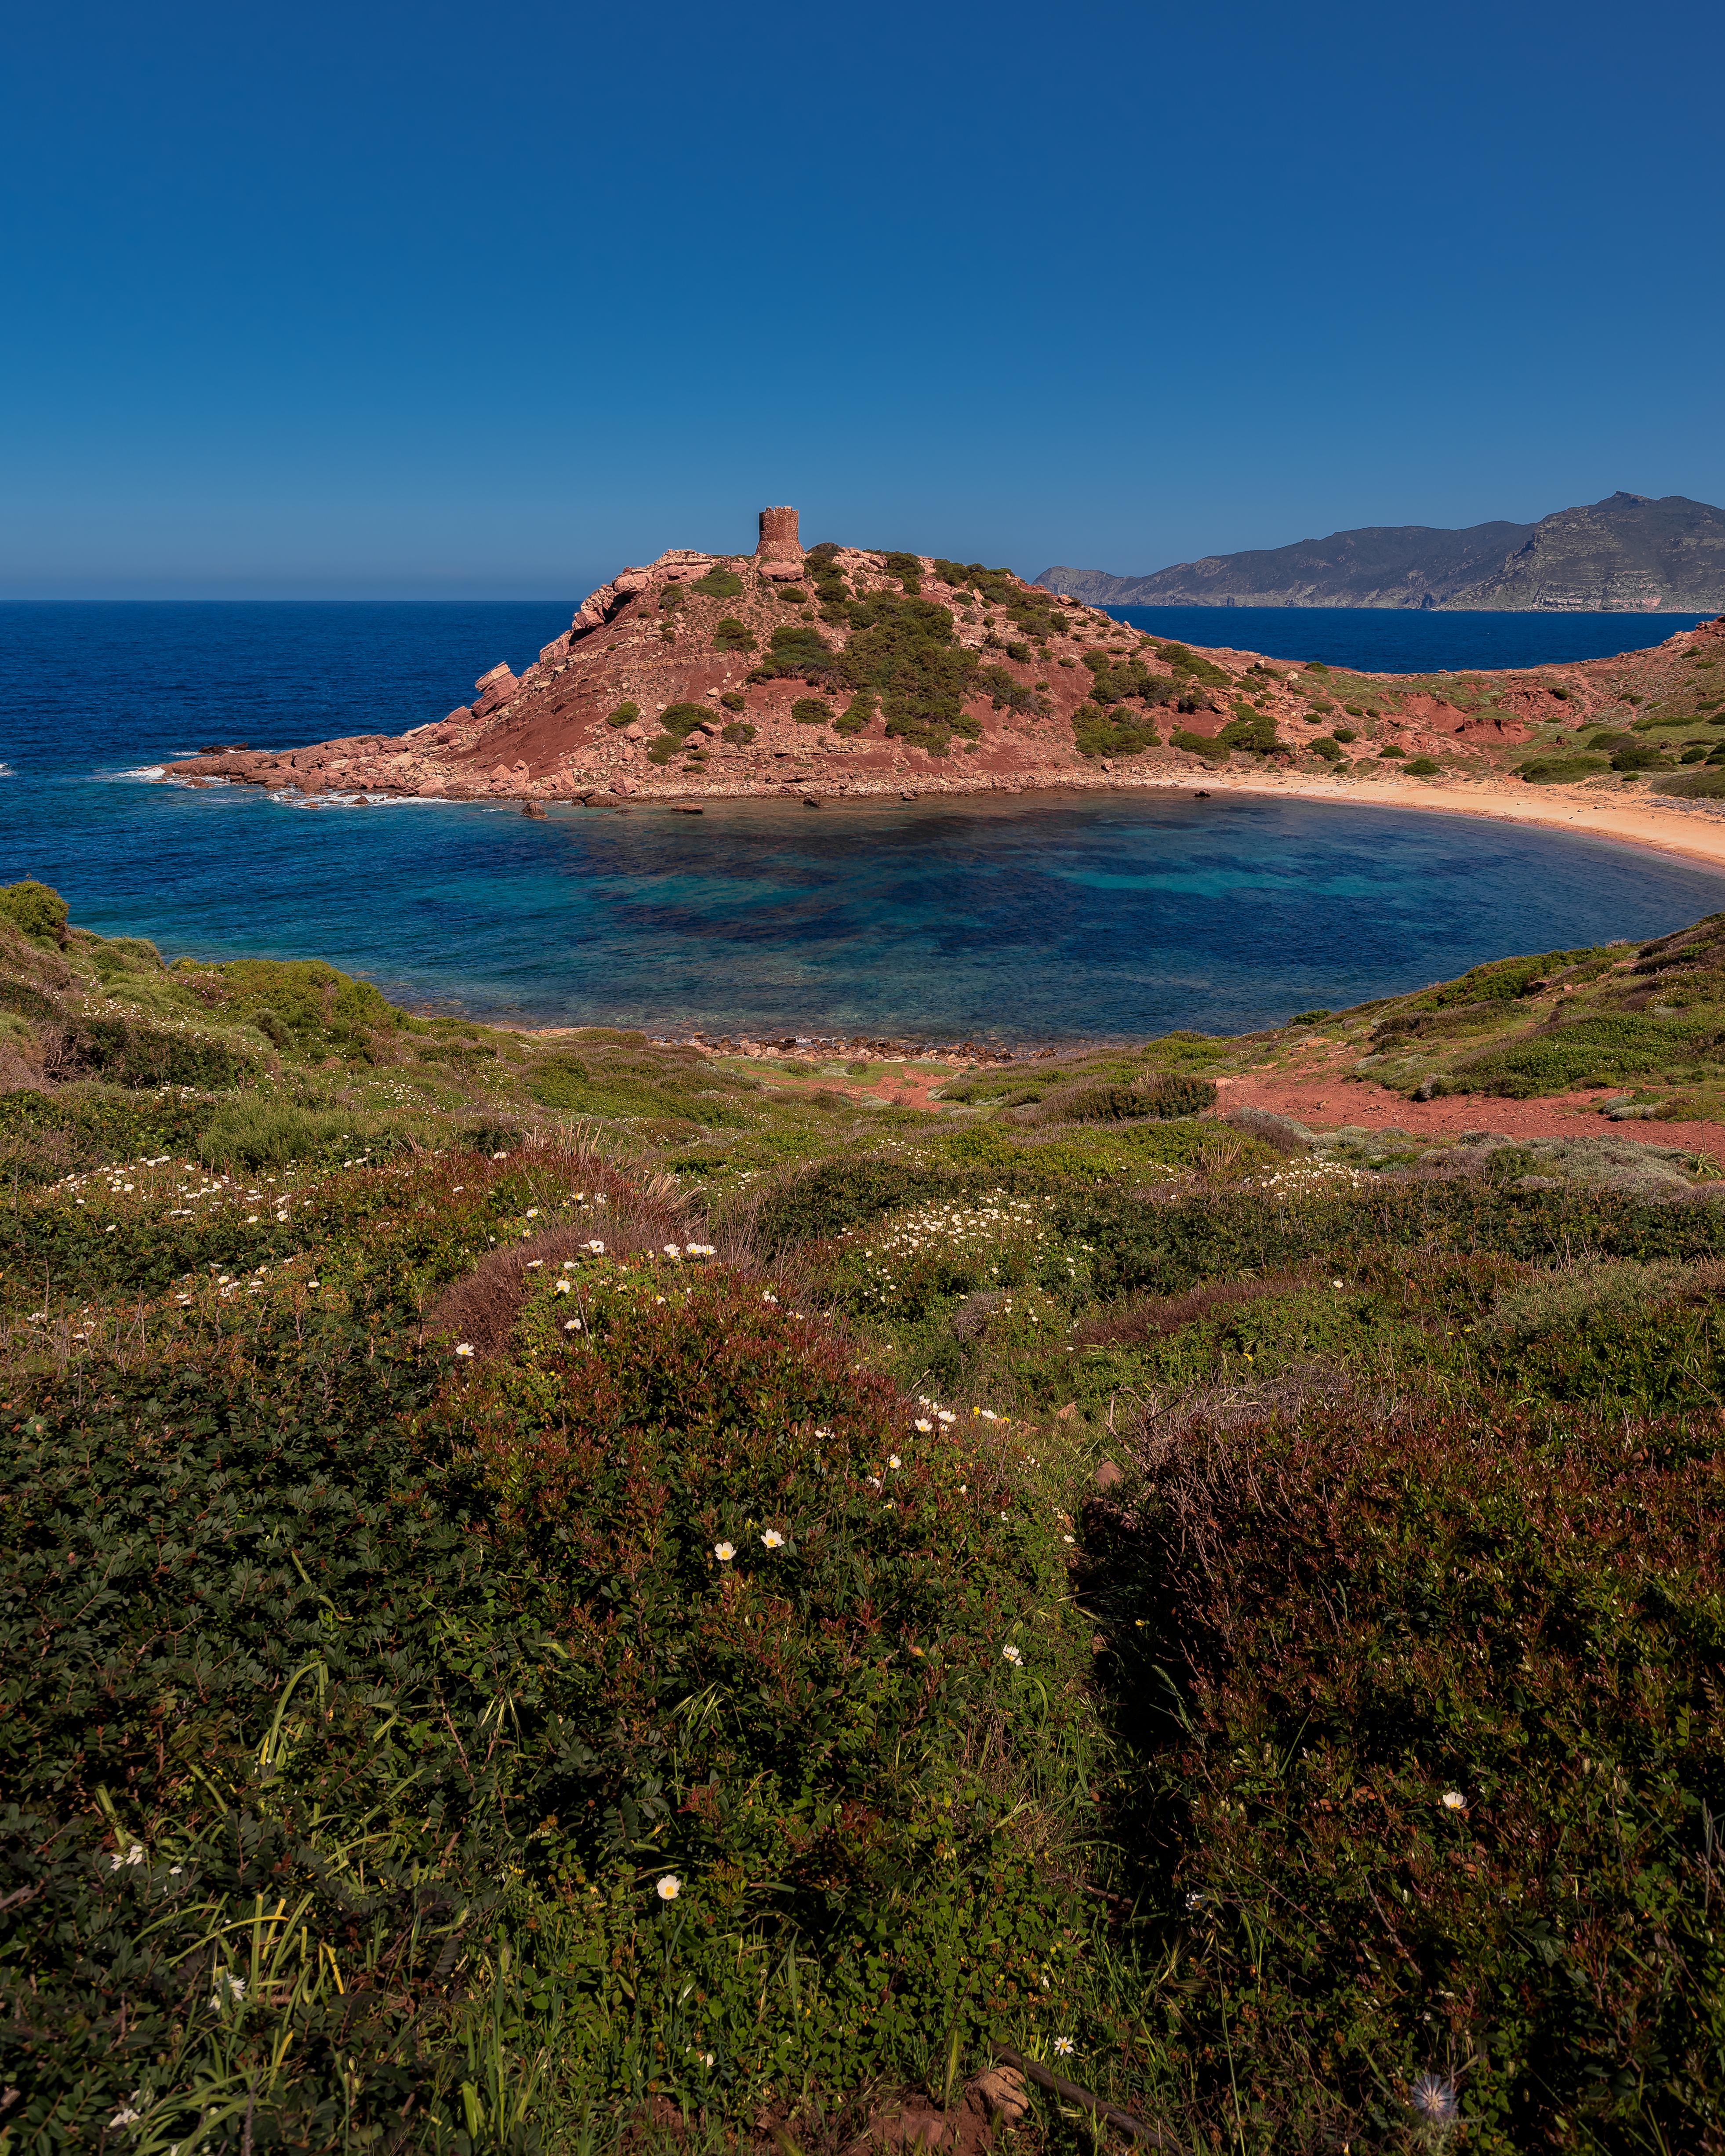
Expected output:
{"points": [[1326, 1096]]}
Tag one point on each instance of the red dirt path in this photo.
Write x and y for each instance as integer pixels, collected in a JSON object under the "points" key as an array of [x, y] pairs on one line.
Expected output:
{"points": [[1325, 1096]]}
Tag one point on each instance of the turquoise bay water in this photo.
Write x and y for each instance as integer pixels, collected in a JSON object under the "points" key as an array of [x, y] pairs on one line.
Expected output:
{"points": [[1012, 920]]}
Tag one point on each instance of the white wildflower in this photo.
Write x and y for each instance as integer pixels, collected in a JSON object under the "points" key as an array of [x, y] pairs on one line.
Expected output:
{"points": [[465, 1348], [1064, 2047], [1454, 1801], [772, 1539], [1012, 1654], [668, 1887], [724, 1552]]}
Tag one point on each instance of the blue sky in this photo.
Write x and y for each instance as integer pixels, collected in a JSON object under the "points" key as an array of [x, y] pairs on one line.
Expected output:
{"points": [[380, 300]]}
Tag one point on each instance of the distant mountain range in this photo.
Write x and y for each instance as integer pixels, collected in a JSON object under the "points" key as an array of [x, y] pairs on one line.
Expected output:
{"points": [[1627, 554]]}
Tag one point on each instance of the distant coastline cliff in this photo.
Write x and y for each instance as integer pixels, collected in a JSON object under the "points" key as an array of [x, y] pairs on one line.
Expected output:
{"points": [[1627, 554]]}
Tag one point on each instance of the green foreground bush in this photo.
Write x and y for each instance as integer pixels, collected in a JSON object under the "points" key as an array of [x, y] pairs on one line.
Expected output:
{"points": [[472, 1673]]}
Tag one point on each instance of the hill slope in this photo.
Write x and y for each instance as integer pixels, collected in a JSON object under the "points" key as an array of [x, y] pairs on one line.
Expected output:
{"points": [[1624, 553]]}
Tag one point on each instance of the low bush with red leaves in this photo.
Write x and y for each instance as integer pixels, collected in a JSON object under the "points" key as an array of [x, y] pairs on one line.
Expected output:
{"points": [[1426, 1720]]}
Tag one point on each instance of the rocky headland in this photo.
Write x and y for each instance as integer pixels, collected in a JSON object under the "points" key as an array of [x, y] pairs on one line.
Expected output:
{"points": [[841, 671]]}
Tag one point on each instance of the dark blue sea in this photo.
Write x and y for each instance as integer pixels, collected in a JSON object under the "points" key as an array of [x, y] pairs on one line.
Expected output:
{"points": [[1019, 919], [1407, 640]]}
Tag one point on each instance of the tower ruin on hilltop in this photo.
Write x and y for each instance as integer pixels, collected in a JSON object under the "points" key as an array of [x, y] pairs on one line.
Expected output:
{"points": [[779, 554]]}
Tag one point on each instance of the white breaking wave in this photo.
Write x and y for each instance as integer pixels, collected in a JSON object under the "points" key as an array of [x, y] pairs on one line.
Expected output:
{"points": [[358, 801]]}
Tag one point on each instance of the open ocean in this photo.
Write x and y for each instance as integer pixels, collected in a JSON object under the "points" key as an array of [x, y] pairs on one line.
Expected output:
{"points": [[1006, 919]]}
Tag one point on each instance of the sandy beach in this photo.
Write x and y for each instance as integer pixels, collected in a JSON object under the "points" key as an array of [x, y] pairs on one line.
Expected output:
{"points": [[1695, 830]]}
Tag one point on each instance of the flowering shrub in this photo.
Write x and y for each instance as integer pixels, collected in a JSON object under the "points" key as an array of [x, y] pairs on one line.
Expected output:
{"points": [[773, 1584], [901, 1266]]}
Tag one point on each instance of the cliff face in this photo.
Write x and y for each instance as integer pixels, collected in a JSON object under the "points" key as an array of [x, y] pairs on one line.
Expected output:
{"points": [[1386, 565], [1627, 553]]}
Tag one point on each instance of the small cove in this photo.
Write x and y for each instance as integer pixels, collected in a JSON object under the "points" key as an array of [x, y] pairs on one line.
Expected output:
{"points": [[1020, 919]]}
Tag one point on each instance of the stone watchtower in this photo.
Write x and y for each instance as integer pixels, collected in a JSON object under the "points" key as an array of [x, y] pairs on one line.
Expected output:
{"points": [[779, 555]]}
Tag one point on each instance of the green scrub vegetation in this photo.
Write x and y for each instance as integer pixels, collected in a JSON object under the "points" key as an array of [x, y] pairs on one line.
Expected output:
{"points": [[559, 1593]]}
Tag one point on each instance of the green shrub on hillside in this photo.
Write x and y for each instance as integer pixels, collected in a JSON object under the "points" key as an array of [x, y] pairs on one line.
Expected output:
{"points": [[1560, 770], [903, 651], [1188, 664], [1211, 746], [1167, 1095], [1423, 767], [1005, 693], [812, 711], [43, 1136], [122, 1051], [1503, 980], [681, 720], [733, 635], [1254, 731], [1590, 1051], [625, 714], [720, 583], [562, 1081], [1703, 786], [1101, 733], [739, 733], [37, 908], [793, 649]]}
